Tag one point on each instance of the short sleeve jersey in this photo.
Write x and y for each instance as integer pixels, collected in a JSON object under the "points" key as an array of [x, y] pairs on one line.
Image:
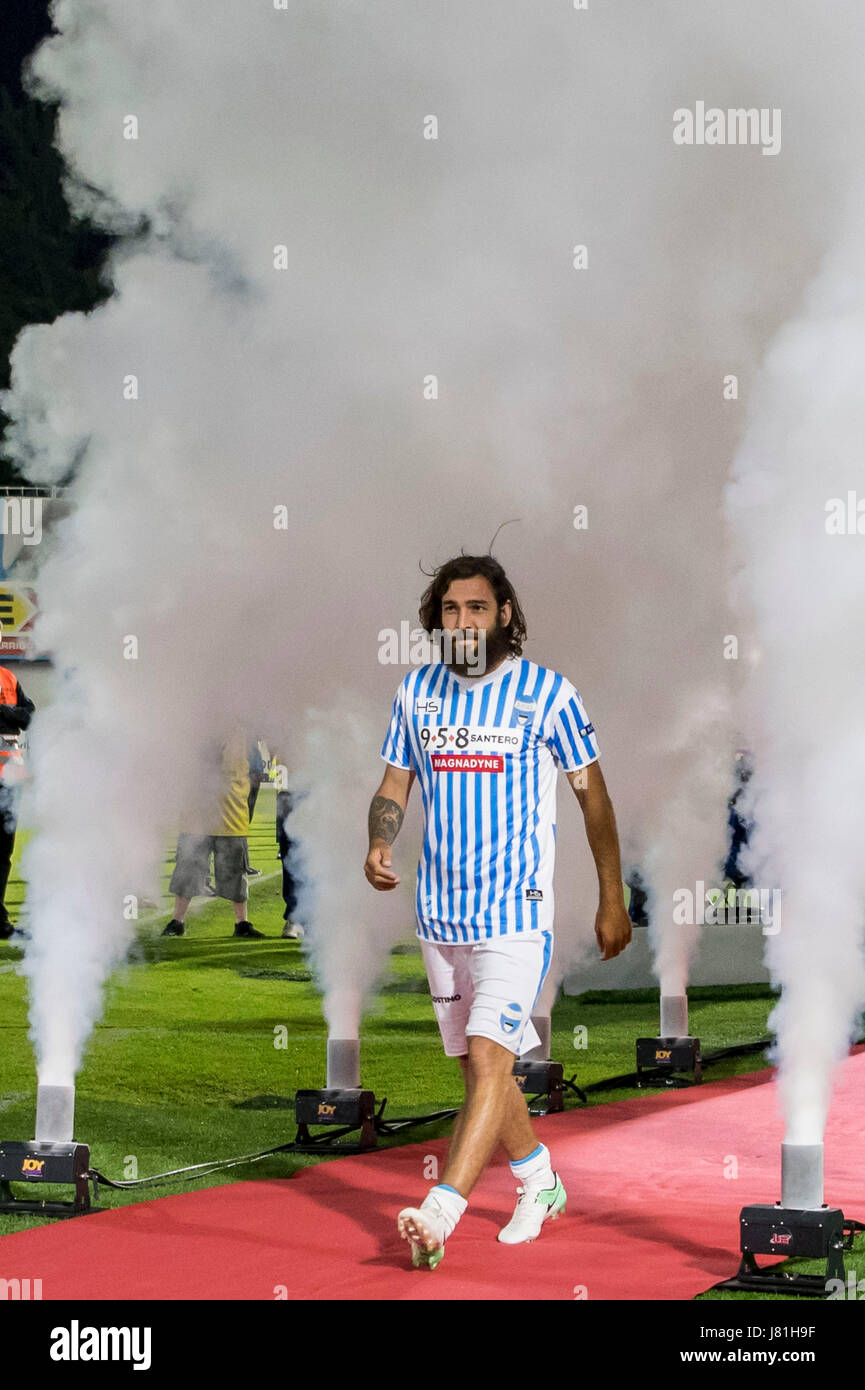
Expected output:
{"points": [[486, 751]]}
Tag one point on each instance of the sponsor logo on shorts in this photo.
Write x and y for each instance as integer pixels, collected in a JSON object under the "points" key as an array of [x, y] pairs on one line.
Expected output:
{"points": [[511, 1017], [462, 762], [534, 895], [446, 998]]}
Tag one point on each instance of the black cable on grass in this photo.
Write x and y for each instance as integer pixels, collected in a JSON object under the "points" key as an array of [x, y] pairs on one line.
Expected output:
{"points": [[196, 1171]]}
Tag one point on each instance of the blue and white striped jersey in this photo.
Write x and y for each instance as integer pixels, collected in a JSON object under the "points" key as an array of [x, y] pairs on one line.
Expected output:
{"points": [[486, 750]]}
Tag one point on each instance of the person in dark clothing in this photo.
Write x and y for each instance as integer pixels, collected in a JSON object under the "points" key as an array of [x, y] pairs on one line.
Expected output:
{"points": [[257, 773], [291, 930], [738, 826], [15, 713], [638, 905]]}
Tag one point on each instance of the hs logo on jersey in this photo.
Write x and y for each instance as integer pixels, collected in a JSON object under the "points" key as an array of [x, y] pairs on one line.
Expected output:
{"points": [[427, 706], [534, 895]]}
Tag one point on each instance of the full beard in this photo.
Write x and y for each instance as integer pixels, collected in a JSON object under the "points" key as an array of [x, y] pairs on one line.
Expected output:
{"points": [[485, 657]]}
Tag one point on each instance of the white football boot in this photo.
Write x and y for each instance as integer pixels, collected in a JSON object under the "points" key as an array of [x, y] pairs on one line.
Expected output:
{"points": [[425, 1228], [535, 1205]]}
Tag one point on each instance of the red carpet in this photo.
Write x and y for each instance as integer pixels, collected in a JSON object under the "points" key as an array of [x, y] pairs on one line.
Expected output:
{"points": [[650, 1214]]}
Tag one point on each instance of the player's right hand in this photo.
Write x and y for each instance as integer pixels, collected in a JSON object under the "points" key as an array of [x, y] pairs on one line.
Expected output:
{"points": [[378, 869]]}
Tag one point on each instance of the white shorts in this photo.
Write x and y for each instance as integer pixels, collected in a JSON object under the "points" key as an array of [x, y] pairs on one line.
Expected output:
{"points": [[488, 989]]}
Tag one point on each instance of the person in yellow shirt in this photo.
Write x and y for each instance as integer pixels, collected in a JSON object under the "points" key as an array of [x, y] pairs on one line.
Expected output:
{"points": [[217, 826]]}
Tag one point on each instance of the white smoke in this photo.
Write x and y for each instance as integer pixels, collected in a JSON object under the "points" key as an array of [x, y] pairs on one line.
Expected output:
{"points": [[691, 827], [806, 587], [216, 388], [347, 945]]}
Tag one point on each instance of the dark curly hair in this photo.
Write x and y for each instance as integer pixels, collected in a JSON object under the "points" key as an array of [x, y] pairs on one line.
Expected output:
{"points": [[468, 567]]}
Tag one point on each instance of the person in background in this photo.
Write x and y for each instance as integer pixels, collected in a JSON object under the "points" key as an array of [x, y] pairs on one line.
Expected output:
{"points": [[258, 760], [739, 827], [15, 714], [637, 904], [733, 877], [219, 830], [292, 930]]}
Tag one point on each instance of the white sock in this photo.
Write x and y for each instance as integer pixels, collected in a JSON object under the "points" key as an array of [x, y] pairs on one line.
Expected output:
{"points": [[451, 1203], [535, 1170]]}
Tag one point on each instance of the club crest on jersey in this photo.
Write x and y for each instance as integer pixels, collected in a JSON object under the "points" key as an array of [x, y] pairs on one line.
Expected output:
{"points": [[511, 1017], [524, 709]]}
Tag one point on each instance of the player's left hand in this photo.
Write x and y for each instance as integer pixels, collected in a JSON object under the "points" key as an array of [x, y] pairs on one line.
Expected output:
{"points": [[612, 929]]}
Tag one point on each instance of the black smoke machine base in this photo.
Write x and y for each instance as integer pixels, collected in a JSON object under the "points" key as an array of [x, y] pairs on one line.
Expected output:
{"points": [[541, 1081], [350, 1110], [775, 1230], [40, 1162], [544, 1081], [669, 1062]]}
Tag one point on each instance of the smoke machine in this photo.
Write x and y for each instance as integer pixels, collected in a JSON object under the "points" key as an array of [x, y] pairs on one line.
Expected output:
{"points": [[541, 1080], [52, 1158], [342, 1103], [800, 1224], [673, 1058], [537, 1077]]}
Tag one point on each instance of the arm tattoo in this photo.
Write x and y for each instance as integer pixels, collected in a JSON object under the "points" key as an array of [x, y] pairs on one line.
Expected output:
{"points": [[385, 819]]}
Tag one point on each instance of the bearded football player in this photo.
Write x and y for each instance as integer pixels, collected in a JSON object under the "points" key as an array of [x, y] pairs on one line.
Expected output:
{"points": [[485, 732]]}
